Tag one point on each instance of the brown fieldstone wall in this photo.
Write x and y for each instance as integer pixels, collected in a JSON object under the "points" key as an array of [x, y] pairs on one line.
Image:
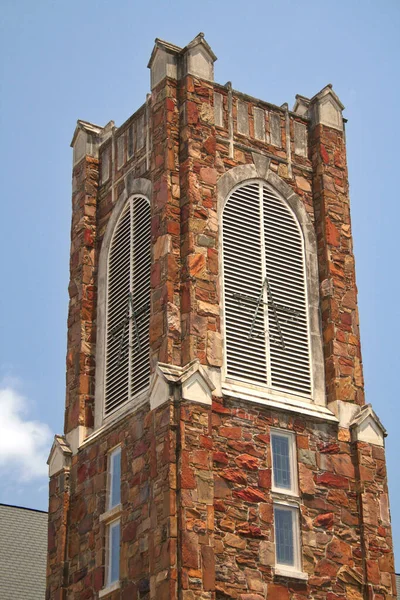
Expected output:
{"points": [[165, 325], [82, 306], [339, 541], [343, 367], [201, 337], [197, 506], [148, 516], [57, 534], [196, 503], [376, 536]]}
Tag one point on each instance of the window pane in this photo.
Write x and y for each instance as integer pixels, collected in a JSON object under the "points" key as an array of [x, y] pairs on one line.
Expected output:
{"points": [[114, 535], [281, 461], [115, 483], [284, 536]]}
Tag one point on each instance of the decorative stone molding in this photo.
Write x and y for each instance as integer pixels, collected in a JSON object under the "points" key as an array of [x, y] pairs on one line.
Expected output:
{"points": [[301, 105], [346, 412], [260, 170], [195, 384], [326, 109], [163, 62], [60, 455], [198, 59], [366, 427], [76, 437], [168, 60], [86, 140]]}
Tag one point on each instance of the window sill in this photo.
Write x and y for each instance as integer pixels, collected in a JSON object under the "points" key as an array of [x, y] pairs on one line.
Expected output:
{"points": [[131, 407], [287, 498], [288, 402], [114, 512], [110, 588], [293, 574]]}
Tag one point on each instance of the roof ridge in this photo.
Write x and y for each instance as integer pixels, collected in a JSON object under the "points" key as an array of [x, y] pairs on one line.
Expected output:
{"points": [[24, 508]]}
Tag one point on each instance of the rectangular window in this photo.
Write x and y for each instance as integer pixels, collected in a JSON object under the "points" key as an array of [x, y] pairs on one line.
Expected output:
{"points": [[287, 538], [284, 470], [113, 550], [114, 478], [286, 510]]}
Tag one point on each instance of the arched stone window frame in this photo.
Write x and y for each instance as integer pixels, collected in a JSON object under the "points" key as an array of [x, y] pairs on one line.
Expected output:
{"points": [[137, 187], [260, 171]]}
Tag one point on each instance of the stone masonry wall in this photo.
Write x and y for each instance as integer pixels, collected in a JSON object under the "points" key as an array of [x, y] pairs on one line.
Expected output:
{"points": [[332, 521], [148, 516], [57, 556], [343, 367], [79, 409], [197, 506]]}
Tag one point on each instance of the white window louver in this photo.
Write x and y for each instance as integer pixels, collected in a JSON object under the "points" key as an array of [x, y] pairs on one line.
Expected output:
{"points": [[266, 324], [128, 306]]}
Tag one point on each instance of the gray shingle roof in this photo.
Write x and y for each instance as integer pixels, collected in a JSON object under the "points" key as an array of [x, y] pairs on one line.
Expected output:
{"points": [[23, 553]]}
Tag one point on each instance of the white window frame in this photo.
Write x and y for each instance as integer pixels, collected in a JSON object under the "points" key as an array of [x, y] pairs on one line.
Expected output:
{"points": [[111, 474], [141, 396], [108, 566], [236, 383], [288, 499], [137, 187], [294, 488], [111, 518], [317, 404], [282, 568]]}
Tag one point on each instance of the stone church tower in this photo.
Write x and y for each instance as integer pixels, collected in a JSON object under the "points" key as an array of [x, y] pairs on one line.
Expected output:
{"points": [[217, 442]]}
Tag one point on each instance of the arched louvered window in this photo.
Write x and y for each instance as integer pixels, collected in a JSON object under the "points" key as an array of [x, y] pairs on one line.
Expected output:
{"points": [[265, 299], [128, 305]]}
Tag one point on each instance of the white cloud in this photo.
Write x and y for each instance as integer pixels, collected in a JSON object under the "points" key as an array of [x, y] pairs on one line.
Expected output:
{"points": [[24, 444]]}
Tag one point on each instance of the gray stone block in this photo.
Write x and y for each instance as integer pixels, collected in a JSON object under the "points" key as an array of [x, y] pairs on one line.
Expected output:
{"points": [[242, 118], [275, 129], [300, 139], [259, 124], [218, 110]]}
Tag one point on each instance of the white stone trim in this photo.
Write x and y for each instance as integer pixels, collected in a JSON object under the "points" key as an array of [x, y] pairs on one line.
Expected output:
{"points": [[109, 589], [126, 410], [112, 514], [345, 412], [253, 393], [76, 436], [293, 574], [60, 456], [366, 427], [326, 108], [260, 171], [133, 187], [193, 379]]}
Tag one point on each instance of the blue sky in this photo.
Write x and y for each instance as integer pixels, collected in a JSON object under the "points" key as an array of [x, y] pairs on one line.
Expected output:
{"points": [[61, 61]]}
